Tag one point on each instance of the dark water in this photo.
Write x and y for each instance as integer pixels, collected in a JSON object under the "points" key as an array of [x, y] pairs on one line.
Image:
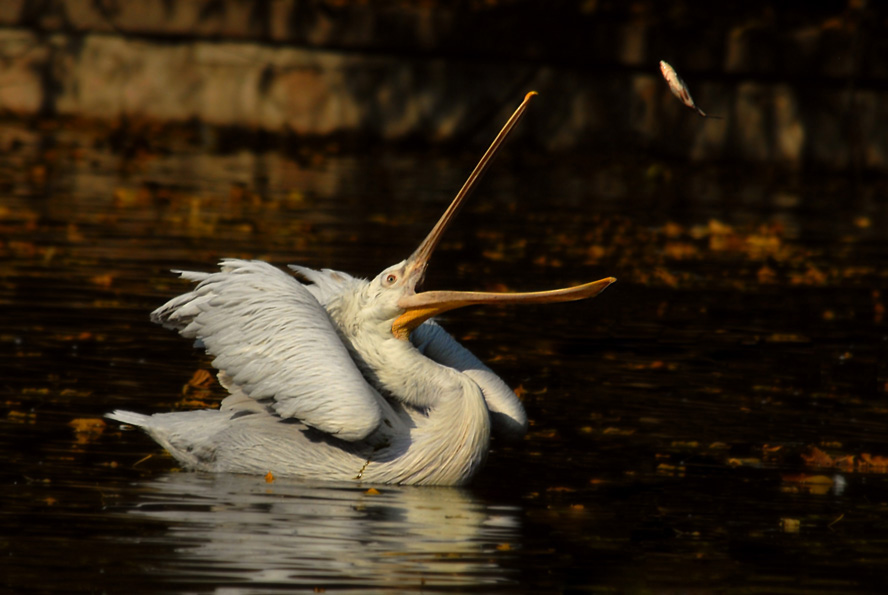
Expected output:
{"points": [[717, 420]]}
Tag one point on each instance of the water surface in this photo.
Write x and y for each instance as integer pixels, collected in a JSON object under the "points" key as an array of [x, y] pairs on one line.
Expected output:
{"points": [[714, 421]]}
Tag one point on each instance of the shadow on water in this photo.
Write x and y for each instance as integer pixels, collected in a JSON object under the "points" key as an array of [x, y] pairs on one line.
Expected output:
{"points": [[714, 421]]}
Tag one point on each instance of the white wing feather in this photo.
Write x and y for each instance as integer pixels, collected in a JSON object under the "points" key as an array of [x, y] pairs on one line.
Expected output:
{"points": [[506, 411], [273, 339]]}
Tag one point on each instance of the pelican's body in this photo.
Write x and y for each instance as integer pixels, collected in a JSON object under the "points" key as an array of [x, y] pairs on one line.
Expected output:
{"points": [[340, 378], [436, 431]]}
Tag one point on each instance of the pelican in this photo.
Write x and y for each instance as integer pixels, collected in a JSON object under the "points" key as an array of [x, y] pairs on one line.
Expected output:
{"points": [[338, 378]]}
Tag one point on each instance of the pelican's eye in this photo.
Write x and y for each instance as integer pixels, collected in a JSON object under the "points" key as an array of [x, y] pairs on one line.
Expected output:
{"points": [[390, 279]]}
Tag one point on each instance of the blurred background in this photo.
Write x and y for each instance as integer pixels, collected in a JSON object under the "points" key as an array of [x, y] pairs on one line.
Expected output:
{"points": [[800, 85]]}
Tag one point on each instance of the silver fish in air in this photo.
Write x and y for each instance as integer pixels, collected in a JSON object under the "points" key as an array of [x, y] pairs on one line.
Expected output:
{"points": [[679, 88]]}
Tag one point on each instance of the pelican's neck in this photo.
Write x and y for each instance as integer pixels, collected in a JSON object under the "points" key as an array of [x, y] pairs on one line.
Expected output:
{"points": [[399, 369], [451, 433], [451, 437], [393, 366]]}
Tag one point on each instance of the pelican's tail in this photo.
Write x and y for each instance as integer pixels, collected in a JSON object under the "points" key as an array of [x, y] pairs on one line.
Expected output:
{"points": [[190, 436], [238, 440], [129, 417]]}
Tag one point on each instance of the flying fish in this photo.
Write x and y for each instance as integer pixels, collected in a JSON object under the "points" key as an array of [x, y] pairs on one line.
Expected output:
{"points": [[680, 89]]}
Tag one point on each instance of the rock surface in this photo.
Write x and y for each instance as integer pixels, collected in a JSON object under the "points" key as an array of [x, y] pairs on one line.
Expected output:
{"points": [[798, 87]]}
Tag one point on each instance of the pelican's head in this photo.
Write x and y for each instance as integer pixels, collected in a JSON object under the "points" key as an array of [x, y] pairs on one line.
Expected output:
{"points": [[400, 281]]}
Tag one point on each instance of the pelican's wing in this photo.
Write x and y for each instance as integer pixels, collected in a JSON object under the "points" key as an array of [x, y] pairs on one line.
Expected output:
{"points": [[325, 283], [506, 411], [272, 339]]}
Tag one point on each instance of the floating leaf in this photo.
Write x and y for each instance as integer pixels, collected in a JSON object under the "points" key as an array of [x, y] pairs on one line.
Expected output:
{"points": [[812, 484], [873, 463], [817, 458], [104, 281], [87, 429], [744, 462]]}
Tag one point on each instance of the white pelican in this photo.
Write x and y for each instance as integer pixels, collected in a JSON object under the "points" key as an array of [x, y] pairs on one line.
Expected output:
{"points": [[342, 378]]}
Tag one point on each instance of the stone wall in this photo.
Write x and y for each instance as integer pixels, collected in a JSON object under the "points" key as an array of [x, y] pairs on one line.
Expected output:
{"points": [[798, 86]]}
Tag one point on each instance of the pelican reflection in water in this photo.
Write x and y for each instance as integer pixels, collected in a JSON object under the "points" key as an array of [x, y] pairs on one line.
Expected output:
{"points": [[340, 378]]}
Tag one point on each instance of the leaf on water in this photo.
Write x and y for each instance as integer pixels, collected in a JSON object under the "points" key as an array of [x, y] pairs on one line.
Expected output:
{"points": [[197, 391], [560, 489], [666, 277], [547, 434], [812, 276], [22, 417], [269, 477], [74, 392], [692, 444], [87, 429], [790, 525], [681, 251], [787, 338], [595, 253], [844, 462], [817, 458], [809, 484], [766, 275], [124, 197], [671, 470], [35, 391], [494, 255], [73, 234], [548, 261], [201, 379], [612, 431], [21, 249], [744, 462], [673, 230], [869, 462], [103, 281], [372, 492], [808, 479]]}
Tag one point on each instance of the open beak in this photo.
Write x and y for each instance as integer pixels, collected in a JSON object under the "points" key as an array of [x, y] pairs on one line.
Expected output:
{"points": [[419, 260], [419, 307]]}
